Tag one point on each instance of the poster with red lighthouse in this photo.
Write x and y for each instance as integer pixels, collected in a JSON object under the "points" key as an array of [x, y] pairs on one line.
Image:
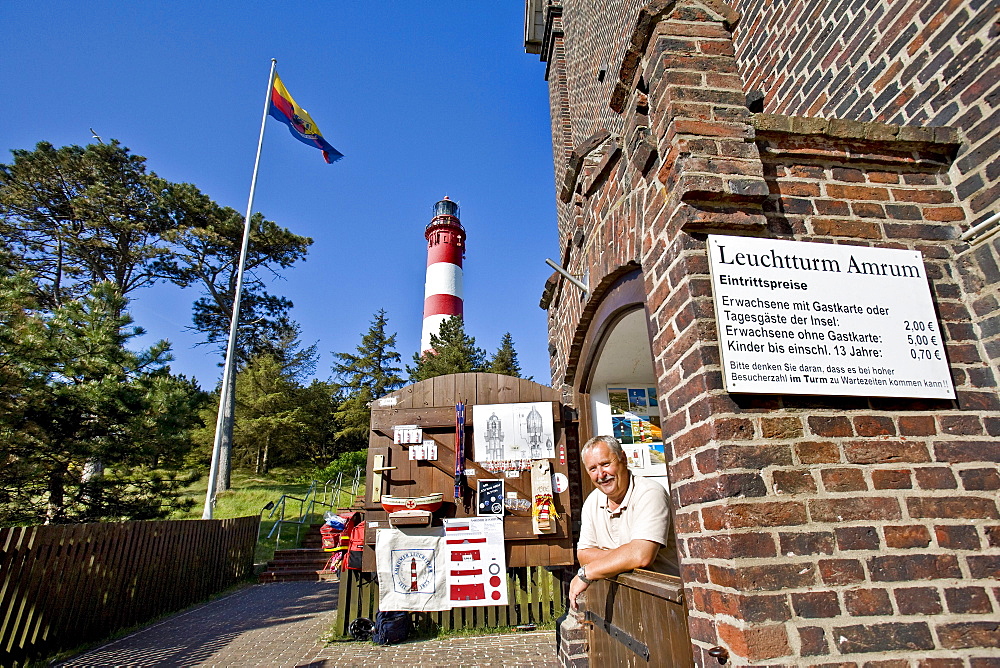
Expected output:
{"points": [[411, 569]]}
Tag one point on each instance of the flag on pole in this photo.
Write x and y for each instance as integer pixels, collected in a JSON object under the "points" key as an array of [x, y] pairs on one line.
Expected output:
{"points": [[299, 123]]}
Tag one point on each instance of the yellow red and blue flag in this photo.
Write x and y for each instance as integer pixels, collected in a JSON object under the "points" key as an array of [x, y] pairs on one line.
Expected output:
{"points": [[298, 120]]}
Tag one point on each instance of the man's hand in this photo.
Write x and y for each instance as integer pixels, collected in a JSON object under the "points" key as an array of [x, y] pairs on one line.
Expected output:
{"points": [[576, 588]]}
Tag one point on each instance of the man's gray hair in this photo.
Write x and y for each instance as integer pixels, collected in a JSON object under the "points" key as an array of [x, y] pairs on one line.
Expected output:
{"points": [[613, 445]]}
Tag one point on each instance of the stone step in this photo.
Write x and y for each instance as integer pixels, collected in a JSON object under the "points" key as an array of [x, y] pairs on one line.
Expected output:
{"points": [[299, 575], [300, 553], [297, 566], [317, 564], [301, 563]]}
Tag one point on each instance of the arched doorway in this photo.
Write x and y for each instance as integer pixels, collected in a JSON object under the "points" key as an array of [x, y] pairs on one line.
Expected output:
{"points": [[638, 617], [623, 398]]}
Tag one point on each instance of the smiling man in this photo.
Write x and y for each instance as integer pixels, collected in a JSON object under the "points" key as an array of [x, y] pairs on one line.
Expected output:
{"points": [[625, 523]]}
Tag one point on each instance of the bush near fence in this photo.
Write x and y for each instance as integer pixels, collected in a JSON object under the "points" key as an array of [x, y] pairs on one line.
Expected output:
{"points": [[66, 585]]}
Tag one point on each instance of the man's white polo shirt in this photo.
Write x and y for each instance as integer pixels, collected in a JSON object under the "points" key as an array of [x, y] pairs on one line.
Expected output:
{"points": [[643, 514]]}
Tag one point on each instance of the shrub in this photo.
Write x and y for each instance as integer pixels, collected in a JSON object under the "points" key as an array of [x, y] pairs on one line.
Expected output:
{"points": [[347, 463]]}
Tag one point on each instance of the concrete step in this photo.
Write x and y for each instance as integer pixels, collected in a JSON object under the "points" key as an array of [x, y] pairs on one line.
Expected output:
{"points": [[318, 564], [302, 575], [298, 564]]}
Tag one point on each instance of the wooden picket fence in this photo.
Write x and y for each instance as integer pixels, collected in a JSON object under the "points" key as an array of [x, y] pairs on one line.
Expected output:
{"points": [[534, 593], [66, 585]]}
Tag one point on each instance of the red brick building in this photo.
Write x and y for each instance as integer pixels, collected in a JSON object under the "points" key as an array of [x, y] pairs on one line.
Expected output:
{"points": [[812, 530]]}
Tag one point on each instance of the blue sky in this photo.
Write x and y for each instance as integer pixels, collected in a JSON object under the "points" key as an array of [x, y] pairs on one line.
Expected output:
{"points": [[425, 99]]}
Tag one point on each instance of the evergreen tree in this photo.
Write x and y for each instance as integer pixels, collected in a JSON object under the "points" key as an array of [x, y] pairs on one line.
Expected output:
{"points": [[363, 377], [317, 435], [78, 216], [373, 368], [452, 351], [267, 414], [278, 421], [205, 249], [297, 361], [204, 253], [71, 393], [504, 360]]}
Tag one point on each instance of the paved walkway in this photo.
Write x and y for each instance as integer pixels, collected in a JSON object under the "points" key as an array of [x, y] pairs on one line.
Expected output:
{"points": [[283, 624], [525, 650]]}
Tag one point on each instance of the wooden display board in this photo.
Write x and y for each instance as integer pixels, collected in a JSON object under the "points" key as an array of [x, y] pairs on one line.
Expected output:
{"points": [[430, 405]]}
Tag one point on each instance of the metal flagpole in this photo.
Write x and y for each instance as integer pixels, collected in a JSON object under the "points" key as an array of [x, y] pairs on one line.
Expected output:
{"points": [[230, 365]]}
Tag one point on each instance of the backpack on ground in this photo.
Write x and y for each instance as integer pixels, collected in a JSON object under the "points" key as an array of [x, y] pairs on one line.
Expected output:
{"points": [[391, 627]]}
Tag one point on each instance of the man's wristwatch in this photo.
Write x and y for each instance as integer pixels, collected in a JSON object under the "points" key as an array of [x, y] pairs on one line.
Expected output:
{"points": [[582, 574]]}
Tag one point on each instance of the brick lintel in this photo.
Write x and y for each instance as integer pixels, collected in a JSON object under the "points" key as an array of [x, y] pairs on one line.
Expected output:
{"points": [[938, 140]]}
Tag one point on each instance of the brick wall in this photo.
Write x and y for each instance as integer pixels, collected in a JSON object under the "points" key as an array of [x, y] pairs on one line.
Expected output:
{"points": [[907, 62], [979, 273], [849, 529], [813, 531]]}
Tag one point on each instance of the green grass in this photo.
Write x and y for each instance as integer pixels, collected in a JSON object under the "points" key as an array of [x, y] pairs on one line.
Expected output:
{"points": [[424, 629], [430, 631], [248, 496]]}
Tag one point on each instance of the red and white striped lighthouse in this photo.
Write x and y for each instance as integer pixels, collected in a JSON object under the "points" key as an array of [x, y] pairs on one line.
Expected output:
{"points": [[443, 286]]}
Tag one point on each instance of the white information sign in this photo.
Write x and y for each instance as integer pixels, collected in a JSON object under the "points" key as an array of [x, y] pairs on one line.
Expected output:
{"points": [[797, 317]]}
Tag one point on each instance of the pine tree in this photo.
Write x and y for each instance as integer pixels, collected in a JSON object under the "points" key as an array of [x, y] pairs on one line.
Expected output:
{"points": [[204, 249], [452, 351], [372, 369], [278, 420], [317, 434], [78, 216], [363, 377], [267, 414], [504, 360], [71, 393]]}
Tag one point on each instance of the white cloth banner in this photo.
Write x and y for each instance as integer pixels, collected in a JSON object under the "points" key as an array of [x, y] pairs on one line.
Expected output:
{"points": [[411, 569], [462, 564]]}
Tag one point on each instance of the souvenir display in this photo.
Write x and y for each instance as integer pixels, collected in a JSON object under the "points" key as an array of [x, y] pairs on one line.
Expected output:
{"points": [[428, 502], [543, 512], [436, 544], [407, 434], [635, 422], [426, 451], [506, 466], [517, 504], [459, 448], [411, 569]]}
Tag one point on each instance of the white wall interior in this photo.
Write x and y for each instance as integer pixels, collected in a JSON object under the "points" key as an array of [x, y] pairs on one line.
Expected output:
{"points": [[625, 360]]}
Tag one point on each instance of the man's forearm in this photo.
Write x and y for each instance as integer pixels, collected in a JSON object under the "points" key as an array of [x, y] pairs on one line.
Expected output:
{"points": [[588, 554], [602, 564]]}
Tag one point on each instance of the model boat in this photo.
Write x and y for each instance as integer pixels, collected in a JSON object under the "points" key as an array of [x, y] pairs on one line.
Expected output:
{"points": [[429, 502]]}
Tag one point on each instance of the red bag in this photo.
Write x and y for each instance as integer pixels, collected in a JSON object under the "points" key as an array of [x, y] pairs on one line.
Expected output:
{"points": [[354, 533], [330, 537]]}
